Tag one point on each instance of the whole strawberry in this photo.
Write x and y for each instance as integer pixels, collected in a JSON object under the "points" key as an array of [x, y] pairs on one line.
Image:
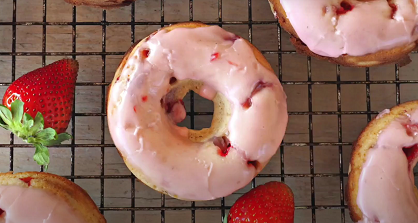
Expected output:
{"points": [[272, 202], [37, 107], [48, 90]]}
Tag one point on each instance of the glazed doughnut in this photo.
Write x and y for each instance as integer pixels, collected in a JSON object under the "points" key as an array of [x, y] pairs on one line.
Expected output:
{"points": [[381, 181], [104, 4], [38, 197], [358, 33], [145, 104]]}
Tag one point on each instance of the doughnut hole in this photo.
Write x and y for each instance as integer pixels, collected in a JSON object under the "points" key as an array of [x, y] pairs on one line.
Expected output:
{"points": [[173, 105]]}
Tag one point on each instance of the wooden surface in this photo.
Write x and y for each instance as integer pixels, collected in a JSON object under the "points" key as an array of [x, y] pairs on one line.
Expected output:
{"points": [[117, 192]]}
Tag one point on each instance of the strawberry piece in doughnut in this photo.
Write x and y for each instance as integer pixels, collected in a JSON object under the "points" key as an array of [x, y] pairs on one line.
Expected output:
{"points": [[394, 8], [27, 180], [411, 154], [44, 198], [145, 54], [344, 8], [381, 180], [359, 33], [214, 56], [249, 118], [260, 85], [223, 144]]}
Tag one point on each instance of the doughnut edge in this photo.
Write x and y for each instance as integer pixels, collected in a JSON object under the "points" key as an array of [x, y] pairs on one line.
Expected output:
{"points": [[138, 173], [106, 7], [71, 193], [399, 55], [366, 140]]}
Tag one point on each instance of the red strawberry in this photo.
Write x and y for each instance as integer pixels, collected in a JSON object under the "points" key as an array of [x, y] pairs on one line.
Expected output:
{"points": [[48, 90], [37, 106], [272, 202]]}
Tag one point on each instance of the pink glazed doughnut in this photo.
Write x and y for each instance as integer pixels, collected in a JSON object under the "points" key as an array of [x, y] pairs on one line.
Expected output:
{"points": [[380, 185], [145, 105], [358, 33], [38, 197]]}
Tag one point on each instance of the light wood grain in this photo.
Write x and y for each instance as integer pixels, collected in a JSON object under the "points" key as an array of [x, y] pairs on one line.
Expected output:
{"points": [[293, 67]]}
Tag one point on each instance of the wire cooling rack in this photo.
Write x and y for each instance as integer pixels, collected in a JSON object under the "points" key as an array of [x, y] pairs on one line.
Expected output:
{"points": [[222, 207]]}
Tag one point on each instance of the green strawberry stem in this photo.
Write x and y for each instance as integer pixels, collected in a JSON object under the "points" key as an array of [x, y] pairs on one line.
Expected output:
{"points": [[225, 219], [31, 130]]}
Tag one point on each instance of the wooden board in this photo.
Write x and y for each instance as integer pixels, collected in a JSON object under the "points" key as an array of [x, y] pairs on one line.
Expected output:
{"points": [[294, 70]]}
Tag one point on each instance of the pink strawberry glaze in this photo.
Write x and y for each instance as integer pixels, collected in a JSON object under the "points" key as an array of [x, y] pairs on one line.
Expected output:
{"points": [[152, 142], [386, 185], [22, 204], [370, 26]]}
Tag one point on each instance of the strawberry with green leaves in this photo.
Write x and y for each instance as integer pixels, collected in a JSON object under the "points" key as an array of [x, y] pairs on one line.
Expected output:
{"points": [[272, 202], [38, 106]]}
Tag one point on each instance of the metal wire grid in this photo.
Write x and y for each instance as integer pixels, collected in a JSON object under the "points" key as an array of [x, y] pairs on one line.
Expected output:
{"points": [[104, 23]]}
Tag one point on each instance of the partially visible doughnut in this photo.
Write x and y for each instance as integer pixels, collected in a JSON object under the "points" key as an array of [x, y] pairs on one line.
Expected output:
{"points": [[104, 4], [145, 104], [380, 180], [38, 197], [357, 33]]}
